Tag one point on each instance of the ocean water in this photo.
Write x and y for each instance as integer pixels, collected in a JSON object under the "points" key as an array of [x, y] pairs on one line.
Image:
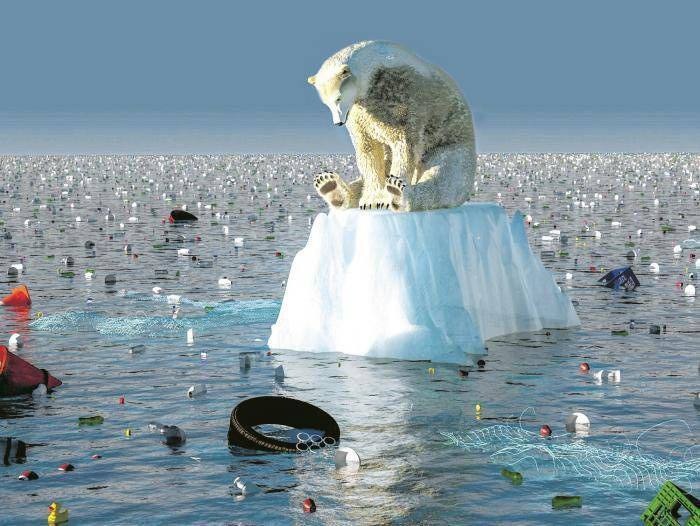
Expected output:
{"points": [[428, 456]]}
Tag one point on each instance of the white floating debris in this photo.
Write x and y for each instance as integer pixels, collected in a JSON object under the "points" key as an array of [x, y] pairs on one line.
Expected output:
{"points": [[196, 390], [689, 290], [577, 423], [346, 457], [15, 342], [190, 336], [156, 290], [173, 299], [238, 242], [614, 375], [183, 251], [654, 268], [245, 488], [224, 283]]}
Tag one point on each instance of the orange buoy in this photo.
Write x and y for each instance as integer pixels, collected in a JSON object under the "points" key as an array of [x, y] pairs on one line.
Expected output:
{"points": [[19, 297]]}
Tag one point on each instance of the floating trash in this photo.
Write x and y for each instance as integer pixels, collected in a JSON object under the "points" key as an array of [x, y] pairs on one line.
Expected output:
{"points": [[196, 390], [514, 476], [622, 277], [566, 501]]}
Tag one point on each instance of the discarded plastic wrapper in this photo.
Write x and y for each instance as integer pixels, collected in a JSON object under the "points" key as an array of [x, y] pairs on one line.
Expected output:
{"points": [[622, 277]]}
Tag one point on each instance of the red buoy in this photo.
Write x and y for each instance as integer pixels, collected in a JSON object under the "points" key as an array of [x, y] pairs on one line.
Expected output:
{"points": [[28, 475], [18, 376], [584, 367], [19, 297], [309, 505], [66, 467], [545, 431]]}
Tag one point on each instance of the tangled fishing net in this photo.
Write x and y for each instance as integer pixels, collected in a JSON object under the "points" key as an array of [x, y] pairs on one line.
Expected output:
{"points": [[567, 456], [218, 315]]}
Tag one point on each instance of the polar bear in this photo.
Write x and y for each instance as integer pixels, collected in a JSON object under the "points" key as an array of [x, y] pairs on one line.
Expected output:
{"points": [[411, 128]]}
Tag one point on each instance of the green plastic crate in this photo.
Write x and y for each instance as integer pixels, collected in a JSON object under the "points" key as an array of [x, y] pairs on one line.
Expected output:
{"points": [[663, 509]]}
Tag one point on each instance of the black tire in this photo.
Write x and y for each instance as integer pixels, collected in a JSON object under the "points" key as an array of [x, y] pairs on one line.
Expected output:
{"points": [[276, 410]]}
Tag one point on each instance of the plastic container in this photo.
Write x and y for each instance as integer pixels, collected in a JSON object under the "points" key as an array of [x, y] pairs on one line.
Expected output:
{"points": [[663, 509]]}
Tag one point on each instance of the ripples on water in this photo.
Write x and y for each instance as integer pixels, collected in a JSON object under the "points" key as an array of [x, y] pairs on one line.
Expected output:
{"points": [[391, 412]]}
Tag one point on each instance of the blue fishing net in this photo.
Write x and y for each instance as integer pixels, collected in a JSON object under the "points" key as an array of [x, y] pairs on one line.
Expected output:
{"points": [[217, 315], [566, 456]]}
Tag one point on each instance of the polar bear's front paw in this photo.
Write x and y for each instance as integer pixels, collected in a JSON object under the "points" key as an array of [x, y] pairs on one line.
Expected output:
{"points": [[332, 188], [395, 186]]}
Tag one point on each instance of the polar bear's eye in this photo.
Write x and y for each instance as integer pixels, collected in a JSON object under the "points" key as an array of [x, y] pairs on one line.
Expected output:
{"points": [[338, 99]]}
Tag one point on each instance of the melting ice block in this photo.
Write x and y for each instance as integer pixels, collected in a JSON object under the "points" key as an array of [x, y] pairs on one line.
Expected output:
{"points": [[417, 286]]}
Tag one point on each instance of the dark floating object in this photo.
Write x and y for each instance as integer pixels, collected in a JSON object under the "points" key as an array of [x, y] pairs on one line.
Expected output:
{"points": [[277, 410], [654, 329], [177, 216], [620, 278], [110, 279], [17, 376], [12, 450]]}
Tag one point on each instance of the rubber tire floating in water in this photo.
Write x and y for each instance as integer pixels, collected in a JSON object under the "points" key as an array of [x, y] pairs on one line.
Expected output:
{"points": [[281, 411]]}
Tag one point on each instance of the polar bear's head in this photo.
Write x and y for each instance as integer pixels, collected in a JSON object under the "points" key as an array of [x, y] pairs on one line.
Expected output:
{"points": [[337, 88], [345, 77]]}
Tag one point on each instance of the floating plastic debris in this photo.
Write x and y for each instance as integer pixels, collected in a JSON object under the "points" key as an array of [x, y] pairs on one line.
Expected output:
{"points": [[196, 390], [566, 501], [90, 420], [514, 476], [622, 277]]}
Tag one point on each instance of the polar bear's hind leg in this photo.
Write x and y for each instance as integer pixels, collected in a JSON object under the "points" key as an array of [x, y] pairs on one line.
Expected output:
{"points": [[446, 181]]}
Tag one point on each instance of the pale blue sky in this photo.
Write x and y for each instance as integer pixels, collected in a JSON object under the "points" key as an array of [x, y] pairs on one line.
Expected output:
{"points": [[205, 76]]}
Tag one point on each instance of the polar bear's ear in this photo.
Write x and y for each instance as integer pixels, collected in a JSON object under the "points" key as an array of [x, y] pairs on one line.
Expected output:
{"points": [[311, 80]]}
